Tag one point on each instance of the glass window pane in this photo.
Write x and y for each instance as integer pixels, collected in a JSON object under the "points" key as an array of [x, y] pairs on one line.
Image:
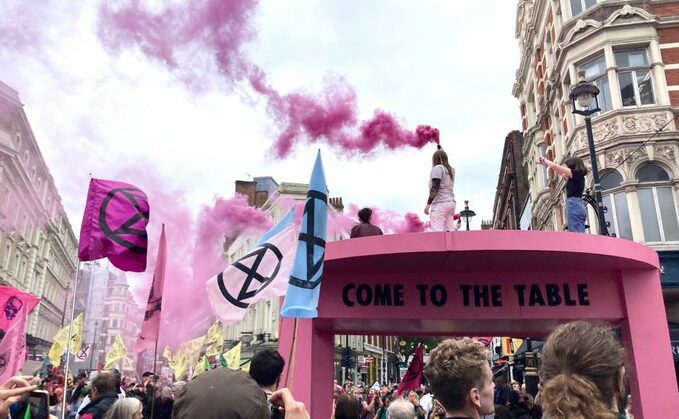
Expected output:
{"points": [[622, 216], [610, 214], [668, 214], [576, 7], [610, 180], [631, 58], [605, 95], [649, 218], [594, 68], [627, 89], [589, 3], [645, 87], [652, 173]]}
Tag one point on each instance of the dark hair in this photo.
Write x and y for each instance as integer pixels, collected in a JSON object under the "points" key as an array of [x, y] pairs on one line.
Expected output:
{"points": [[364, 215], [441, 158], [266, 367], [146, 374], [104, 383], [576, 163], [347, 407]]}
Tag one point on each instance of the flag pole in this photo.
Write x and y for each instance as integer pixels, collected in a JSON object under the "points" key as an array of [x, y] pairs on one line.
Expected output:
{"points": [[70, 339], [153, 395], [290, 373]]}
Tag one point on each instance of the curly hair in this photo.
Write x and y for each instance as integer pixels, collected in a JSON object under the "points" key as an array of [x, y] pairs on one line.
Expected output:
{"points": [[580, 370], [454, 368]]}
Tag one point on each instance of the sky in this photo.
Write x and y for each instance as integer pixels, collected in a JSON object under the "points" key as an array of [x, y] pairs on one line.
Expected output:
{"points": [[104, 106]]}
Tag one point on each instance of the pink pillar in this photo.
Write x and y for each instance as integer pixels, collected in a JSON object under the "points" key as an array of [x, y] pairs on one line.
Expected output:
{"points": [[646, 339], [312, 348]]}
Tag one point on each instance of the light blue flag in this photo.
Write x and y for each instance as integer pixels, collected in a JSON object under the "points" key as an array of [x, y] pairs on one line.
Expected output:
{"points": [[301, 300], [280, 226]]}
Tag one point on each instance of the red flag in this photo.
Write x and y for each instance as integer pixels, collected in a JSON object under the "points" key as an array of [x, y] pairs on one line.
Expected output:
{"points": [[114, 225], [485, 340], [413, 376], [151, 324], [12, 301], [13, 346]]}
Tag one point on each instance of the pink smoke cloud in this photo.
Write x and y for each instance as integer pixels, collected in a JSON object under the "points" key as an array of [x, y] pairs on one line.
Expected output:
{"points": [[392, 222], [212, 33]]}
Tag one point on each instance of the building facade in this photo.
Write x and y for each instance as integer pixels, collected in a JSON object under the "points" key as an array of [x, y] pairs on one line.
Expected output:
{"points": [[630, 51], [512, 185], [37, 244]]}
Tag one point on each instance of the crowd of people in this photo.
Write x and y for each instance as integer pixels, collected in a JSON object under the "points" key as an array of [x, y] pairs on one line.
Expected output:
{"points": [[582, 376]]}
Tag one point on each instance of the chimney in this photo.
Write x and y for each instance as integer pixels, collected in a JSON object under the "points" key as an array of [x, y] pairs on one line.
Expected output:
{"points": [[247, 188]]}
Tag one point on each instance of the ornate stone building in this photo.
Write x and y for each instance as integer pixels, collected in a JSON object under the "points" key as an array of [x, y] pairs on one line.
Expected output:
{"points": [[512, 185], [37, 244], [630, 51]]}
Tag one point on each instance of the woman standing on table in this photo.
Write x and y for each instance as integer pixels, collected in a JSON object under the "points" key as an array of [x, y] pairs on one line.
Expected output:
{"points": [[574, 171], [441, 203]]}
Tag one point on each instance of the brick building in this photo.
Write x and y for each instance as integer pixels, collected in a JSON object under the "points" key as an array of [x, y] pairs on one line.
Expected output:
{"points": [[512, 185], [630, 51]]}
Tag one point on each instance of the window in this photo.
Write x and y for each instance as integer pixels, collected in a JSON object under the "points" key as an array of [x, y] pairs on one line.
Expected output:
{"points": [[595, 72], [615, 200], [656, 202], [5, 261], [579, 6], [634, 76]]}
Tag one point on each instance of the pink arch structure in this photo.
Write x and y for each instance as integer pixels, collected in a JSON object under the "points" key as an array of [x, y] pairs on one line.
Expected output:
{"points": [[485, 283]]}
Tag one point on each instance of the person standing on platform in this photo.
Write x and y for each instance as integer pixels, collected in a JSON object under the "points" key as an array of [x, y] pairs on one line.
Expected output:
{"points": [[574, 171], [441, 202], [365, 228]]}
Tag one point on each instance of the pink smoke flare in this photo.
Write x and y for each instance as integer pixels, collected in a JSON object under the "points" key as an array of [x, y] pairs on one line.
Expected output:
{"points": [[194, 38], [392, 222]]}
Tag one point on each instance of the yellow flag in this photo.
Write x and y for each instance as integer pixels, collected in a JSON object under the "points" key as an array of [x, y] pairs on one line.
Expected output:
{"points": [[191, 349], [60, 340], [179, 365], [246, 367], [215, 339], [116, 352], [167, 355], [201, 366], [232, 357], [55, 354], [128, 364]]}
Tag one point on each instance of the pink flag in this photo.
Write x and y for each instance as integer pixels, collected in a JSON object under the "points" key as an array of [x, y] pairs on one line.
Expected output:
{"points": [[413, 376], [13, 346], [263, 273], [151, 324], [12, 301], [114, 225]]}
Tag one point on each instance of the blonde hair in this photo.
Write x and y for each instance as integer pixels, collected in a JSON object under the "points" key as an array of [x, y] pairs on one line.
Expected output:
{"points": [[454, 368], [124, 409], [580, 369]]}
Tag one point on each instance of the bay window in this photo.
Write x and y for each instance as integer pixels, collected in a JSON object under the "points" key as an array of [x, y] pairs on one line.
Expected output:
{"points": [[657, 204], [634, 77], [595, 73], [615, 200]]}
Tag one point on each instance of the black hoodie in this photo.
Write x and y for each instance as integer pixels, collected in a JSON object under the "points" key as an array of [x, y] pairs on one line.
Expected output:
{"points": [[98, 408]]}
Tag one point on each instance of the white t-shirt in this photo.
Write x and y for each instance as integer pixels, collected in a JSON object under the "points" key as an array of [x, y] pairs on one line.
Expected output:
{"points": [[427, 403], [445, 193]]}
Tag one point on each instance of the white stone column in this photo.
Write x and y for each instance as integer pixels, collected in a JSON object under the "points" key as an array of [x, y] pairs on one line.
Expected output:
{"points": [[634, 213]]}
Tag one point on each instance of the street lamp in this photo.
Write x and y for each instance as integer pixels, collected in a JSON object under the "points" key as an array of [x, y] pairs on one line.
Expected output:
{"points": [[583, 93], [467, 214]]}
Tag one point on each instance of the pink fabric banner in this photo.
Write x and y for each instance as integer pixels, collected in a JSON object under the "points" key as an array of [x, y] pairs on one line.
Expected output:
{"points": [[12, 301], [413, 376], [150, 327], [114, 225], [13, 346]]}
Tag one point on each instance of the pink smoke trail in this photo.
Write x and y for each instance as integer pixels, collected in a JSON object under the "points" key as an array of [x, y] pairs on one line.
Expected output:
{"points": [[211, 33], [392, 222]]}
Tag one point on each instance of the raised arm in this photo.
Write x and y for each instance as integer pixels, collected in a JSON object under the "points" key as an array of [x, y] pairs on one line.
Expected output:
{"points": [[557, 168]]}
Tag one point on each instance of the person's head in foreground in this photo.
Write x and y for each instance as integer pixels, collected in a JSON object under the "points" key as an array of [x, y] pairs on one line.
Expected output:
{"points": [[583, 373], [460, 378]]}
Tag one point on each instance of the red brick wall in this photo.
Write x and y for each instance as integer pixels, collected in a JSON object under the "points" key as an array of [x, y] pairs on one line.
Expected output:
{"points": [[674, 98], [665, 9], [670, 55], [668, 35], [247, 188], [672, 77]]}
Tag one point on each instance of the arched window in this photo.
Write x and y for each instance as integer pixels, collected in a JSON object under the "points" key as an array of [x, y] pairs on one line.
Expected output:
{"points": [[657, 204], [615, 200]]}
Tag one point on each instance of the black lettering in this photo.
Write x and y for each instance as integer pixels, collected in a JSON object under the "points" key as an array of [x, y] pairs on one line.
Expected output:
{"points": [[465, 294], [520, 293], [345, 294], [568, 300], [364, 294], [438, 295], [496, 295], [553, 297], [423, 294], [535, 296], [398, 295], [583, 294], [382, 295], [481, 295]]}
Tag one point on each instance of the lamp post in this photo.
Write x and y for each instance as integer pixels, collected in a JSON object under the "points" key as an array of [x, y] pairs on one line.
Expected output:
{"points": [[467, 214], [583, 93]]}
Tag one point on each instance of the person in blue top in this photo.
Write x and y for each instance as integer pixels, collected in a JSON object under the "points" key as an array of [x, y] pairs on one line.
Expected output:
{"points": [[574, 171]]}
